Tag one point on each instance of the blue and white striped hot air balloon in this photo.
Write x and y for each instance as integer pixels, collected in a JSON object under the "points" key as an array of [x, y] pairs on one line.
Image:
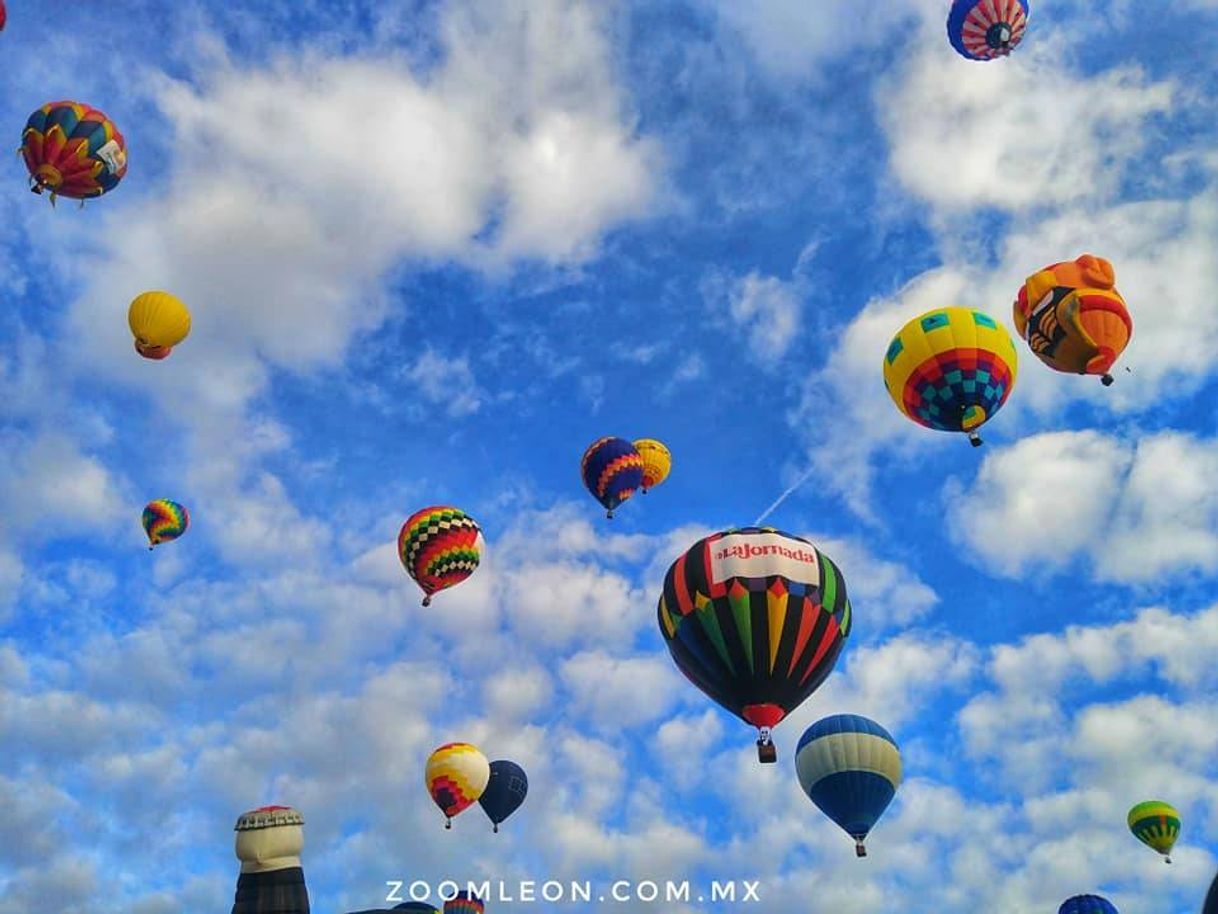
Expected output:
{"points": [[850, 767]]}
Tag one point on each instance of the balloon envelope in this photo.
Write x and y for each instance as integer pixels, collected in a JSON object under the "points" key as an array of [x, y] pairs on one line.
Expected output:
{"points": [[985, 29], [1156, 824], [951, 369], [1087, 904], [464, 903], [612, 470], [1073, 318], [164, 520], [755, 618], [456, 775], [657, 461], [850, 767], [439, 548], [505, 791], [158, 320], [73, 150]]}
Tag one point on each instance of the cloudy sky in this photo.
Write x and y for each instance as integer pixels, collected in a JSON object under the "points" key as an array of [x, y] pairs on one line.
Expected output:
{"points": [[434, 249]]}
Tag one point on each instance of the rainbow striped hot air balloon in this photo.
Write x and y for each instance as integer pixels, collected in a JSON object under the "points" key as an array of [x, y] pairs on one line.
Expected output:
{"points": [[457, 774], [464, 903], [850, 767], [73, 151], [439, 548], [951, 369], [755, 618], [1157, 825], [612, 469], [164, 520]]}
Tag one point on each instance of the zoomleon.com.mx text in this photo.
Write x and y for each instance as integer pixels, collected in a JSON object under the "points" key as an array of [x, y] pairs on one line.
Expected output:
{"points": [[552, 891]]}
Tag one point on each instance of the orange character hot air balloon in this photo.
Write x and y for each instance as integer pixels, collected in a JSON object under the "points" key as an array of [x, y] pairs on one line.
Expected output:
{"points": [[73, 150], [457, 774], [1073, 318]]}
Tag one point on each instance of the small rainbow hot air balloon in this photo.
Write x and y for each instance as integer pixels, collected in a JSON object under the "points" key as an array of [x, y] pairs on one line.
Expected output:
{"points": [[73, 151], [1157, 825], [612, 469], [158, 321], [164, 520], [457, 774], [439, 548], [465, 903], [657, 461], [985, 29], [951, 369], [1073, 318]]}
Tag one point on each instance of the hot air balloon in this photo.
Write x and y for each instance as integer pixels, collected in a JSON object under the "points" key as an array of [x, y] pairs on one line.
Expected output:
{"points": [[439, 548], [657, 461], [755, 618], [272, 881], [1211, 898], [1087, 904], [612, 470], [985, 29], [505, 791], [951, 370], [3, 16], [164, 520], [464, 903], [457, 774], [73, 150], [850, 767], [1073, 318], [159, 321], [409, 907], [1157, 825]]}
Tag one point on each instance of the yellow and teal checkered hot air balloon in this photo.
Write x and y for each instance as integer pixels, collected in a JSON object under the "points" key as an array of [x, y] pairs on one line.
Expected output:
{"points": [[1157, 825]]}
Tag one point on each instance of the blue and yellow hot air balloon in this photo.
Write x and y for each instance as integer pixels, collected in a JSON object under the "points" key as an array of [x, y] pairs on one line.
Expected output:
{"points": [[850, 767], [657, 461], [612, 469], [755, 618], [1087, 904], [1157, 825], [456, 775], [164, 520], [951, 369], [985, 29]]}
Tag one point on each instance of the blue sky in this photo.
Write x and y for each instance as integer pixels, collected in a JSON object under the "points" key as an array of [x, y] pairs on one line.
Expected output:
{"points": [[432, 251]]}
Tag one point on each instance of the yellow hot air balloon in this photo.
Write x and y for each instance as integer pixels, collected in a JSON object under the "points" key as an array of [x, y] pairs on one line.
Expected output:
{"points": [[657, 461], [159, 321], [457, 774], [1157, 825]]}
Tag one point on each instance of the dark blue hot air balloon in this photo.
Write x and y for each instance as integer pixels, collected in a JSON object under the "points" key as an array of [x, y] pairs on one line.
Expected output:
{"points": [[1087, 904], [612, 470], [985, 29], [407, 907], [850, 767], [505, 791]]}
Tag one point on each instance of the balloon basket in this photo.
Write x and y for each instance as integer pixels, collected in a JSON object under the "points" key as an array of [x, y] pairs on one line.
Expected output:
{"points": [[1106, 380], [859, 850], [767, 753]]}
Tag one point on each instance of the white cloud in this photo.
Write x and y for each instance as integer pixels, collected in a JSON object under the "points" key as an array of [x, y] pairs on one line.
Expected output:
{"points": [[1135, 511], [766, 308], [447, 382], [617, 692]]}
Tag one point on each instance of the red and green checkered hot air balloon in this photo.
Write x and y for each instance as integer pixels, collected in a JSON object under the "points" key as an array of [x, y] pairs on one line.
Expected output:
{"points": [[73, 150], [439, 548]]}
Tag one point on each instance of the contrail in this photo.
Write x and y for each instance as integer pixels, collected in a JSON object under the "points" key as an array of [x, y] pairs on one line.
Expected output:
{"points": [[783, 497]]}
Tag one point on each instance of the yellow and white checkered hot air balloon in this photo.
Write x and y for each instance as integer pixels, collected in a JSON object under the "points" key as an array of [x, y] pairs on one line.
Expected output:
{"points": [[657, 461], [457, 774], [159, 321], [1157, 825]]}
